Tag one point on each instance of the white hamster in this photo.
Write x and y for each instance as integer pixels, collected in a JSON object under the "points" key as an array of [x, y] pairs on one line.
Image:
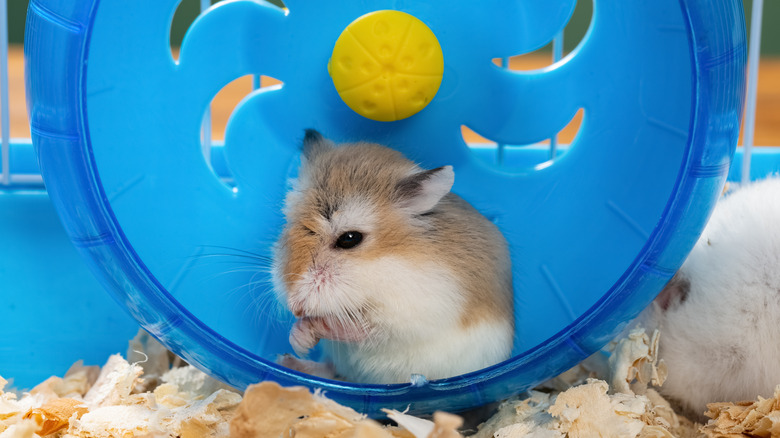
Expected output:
{"points": [[396, 274], [719, 316]]}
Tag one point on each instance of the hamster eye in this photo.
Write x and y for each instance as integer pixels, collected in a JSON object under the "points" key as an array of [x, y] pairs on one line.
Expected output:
{"points": [[350, 239]]}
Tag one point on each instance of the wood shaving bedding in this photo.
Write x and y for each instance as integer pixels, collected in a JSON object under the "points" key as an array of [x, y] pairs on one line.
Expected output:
{"points": [[760, 418], [157, 395]]}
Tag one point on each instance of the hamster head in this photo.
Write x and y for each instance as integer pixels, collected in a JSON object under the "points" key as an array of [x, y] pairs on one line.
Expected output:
{"points": [[355, 213]]}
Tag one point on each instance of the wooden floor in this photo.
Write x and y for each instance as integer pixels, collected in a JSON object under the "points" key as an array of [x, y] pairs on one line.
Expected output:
{"points": [[767, 112]]}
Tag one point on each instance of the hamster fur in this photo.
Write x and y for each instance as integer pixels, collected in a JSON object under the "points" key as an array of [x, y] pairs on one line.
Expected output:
{"points": [[428, 289], [719, 315]]}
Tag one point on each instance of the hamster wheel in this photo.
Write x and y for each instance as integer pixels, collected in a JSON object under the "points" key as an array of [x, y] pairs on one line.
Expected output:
{"points": [[594, 234]]}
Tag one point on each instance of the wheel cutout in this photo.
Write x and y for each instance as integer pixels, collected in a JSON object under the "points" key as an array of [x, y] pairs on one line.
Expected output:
{"points": [[215, 120], [573, 34], [185, 15], [523, 158], [536, 60]]}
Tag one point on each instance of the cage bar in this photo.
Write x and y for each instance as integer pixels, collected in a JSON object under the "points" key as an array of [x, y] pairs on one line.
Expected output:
{"points": [[500, 146], [205, 130], [754, 53], [5, 125], [557, 53]]}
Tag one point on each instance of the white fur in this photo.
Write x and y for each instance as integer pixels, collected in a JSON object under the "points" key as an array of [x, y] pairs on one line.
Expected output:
{"points": [[354, 214], [419, 331], [357, 214], [722, 343], [412, 311], [330, 285]]}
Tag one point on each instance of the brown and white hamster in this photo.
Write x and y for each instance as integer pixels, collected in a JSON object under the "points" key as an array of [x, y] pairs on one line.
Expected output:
{"points": [[719, 317], [394, 273]]}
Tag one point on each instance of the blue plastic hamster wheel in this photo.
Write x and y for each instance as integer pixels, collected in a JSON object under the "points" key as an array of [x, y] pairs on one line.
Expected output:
{"points": [[594, 233]]}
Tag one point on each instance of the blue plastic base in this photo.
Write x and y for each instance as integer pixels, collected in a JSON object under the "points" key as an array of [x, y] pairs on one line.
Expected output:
{"points": [[53, 311], [764, 162]]}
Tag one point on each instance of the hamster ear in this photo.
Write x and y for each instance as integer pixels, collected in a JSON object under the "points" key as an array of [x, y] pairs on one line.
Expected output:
{"points": [[674, 293], [314, 143], [421, 192]]}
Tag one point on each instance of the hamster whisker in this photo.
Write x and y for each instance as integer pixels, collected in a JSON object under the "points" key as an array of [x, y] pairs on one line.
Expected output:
{"points": [[241, 294], [241, 263], [292, 277], [249, 253], [237, 256], [261, 304], [291, 274], [238, 270], [265, 261], [352, 320], [241, 269], [267, 304], [263, 290]]}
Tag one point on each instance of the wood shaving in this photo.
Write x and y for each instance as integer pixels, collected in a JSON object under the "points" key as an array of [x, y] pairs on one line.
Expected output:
{"points": [[115, 383], [119, 400], [587, 410], [90, 402], [116, 422], [77, 381], [521, 417], [153, 357], [634, 364], [760, 418], [22, 429], [184, 403], [444, 425], [628, 409], [418, 427], [270, 411], [56, 414], [12, 410]]}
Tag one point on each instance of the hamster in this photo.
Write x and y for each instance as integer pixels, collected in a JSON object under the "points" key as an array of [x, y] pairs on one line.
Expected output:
{"points": [[396, 274], [719, 316]]}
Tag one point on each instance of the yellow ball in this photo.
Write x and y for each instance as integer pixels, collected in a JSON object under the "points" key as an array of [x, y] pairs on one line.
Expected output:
{"points": [[387, 65]]}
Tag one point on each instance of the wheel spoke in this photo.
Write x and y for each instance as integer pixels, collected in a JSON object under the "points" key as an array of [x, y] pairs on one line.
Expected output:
{"points": [[526, 108], [496, 30], [228, 42]]}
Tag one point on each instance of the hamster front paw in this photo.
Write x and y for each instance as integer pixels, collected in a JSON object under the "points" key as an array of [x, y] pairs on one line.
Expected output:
{"points": [[319, 369], [303, 337]]}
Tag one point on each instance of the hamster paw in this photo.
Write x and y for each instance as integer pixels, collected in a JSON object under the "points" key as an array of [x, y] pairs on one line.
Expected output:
{"points": [[319, 369], [303, 337]]}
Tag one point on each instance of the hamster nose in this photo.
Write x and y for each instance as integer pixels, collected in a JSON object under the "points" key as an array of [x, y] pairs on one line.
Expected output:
{"points": [[321, 273], [321, 277]]}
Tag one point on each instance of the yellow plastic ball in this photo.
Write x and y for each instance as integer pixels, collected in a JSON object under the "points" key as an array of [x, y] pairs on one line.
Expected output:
{"points": [[387, 65]]}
